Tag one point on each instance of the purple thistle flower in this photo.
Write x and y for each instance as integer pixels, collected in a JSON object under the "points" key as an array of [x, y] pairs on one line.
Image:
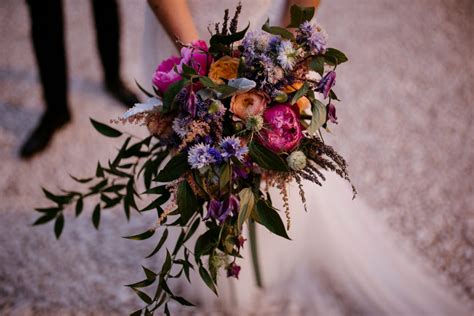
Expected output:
{"points": [[313, 37], [233, 270], [201, 155], [331, 113], [180, 126], [326, 83], [216, 155], [231, 147], [220, 210], [191, 101]]}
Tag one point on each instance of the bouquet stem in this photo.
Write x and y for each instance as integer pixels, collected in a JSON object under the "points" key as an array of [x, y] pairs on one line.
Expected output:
{"points": [[254, 251]]}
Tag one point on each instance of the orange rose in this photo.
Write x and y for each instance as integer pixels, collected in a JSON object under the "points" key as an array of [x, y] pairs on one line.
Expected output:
{"points": [[226, 67], [249, 104], [303, 103], [292, 88]]}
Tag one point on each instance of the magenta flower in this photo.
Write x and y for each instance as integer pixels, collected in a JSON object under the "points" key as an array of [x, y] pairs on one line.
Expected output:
{"points": [[282, 131], [233, 270], [331, 113], [326, 83], [196, 56], [165, 75]]}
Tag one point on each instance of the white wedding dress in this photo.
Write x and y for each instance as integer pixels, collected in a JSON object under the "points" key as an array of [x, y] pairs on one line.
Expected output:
{"points": [[339, 242]]}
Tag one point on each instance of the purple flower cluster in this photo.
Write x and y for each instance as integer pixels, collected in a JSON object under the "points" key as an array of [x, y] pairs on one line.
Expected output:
{"points": [[220, 210], [326, 83], [313, 37], [231, 147], [202, 155]]}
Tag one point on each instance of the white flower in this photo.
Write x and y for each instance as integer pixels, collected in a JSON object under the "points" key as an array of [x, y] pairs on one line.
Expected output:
{"points": [[297, 160], [286, 55], [151, 105]]}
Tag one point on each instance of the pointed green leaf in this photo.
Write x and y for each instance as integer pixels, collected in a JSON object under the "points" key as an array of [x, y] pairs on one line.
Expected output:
{"points": [[300, 14], [160, 243], [175, 168], [187, 202], [105, 129], [59, 225], [268, 217], [145, 235], [45, 218], [96, 216], [276, 30], [335, 57], [266, 158], [247, 204], [317, 64], [206, 277], [319, 116], [301, 92]]}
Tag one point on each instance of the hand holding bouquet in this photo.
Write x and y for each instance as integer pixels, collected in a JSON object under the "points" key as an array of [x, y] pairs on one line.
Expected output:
{"points": [[226, 121]]}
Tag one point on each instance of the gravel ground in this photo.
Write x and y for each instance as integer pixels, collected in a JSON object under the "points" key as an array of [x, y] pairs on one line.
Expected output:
{"points": [[406, 128]]}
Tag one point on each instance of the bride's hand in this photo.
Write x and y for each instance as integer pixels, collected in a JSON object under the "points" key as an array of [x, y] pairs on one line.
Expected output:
{"points": [[176, 18]]}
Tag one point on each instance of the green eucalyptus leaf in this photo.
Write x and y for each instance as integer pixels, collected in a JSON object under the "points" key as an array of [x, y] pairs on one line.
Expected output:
{"points": [[167, 264], [96, 216], [79, 206], [300, 14], [335, 57], [150, 275], [317, 64], [333, 95], [301, 92], [105, 129], [143, 296], [182, 301], [170, 94], [276, 30], [228, 39], [148, 94], [266, 158], [187, 202], [207, 82], [268, 217], [175, 168], [247, 204], [206, 277], [319, 116], [83, 180], [145, 235], [160, 244], [59, 199], [45, 218], [59, 225]]}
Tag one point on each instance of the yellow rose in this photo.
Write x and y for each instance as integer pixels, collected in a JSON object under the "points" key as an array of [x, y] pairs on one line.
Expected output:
{"points": [[249, 104], [303, 103], [292, 88], [226, 67]]}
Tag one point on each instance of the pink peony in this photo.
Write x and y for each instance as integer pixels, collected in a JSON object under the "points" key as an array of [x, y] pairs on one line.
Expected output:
{"points": [[282, 132], [165, 75], [194, 56]]}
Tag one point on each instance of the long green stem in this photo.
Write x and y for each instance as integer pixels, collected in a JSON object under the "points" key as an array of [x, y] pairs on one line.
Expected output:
{"points": [[253, 249]]}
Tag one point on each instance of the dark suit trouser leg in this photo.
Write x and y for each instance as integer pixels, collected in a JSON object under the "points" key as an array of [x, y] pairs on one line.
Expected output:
{"points": [[48, 41], [106, 17]]}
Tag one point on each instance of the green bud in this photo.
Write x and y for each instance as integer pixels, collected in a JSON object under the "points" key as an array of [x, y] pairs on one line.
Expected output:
{"points": [[280, 97]]}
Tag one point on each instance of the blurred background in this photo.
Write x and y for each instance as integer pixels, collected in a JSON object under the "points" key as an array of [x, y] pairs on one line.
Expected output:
{"points": [[405, 127]]}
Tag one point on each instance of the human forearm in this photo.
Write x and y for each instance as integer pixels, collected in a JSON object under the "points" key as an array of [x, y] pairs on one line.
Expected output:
{"points": [[176, 18]]}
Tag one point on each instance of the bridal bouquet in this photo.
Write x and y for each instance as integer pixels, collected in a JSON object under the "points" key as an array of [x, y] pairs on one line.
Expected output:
{"points": [[227, 120]]}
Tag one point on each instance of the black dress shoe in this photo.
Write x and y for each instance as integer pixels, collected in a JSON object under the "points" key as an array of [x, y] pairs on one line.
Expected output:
{"points": [[43, 133], [121, 93]]}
